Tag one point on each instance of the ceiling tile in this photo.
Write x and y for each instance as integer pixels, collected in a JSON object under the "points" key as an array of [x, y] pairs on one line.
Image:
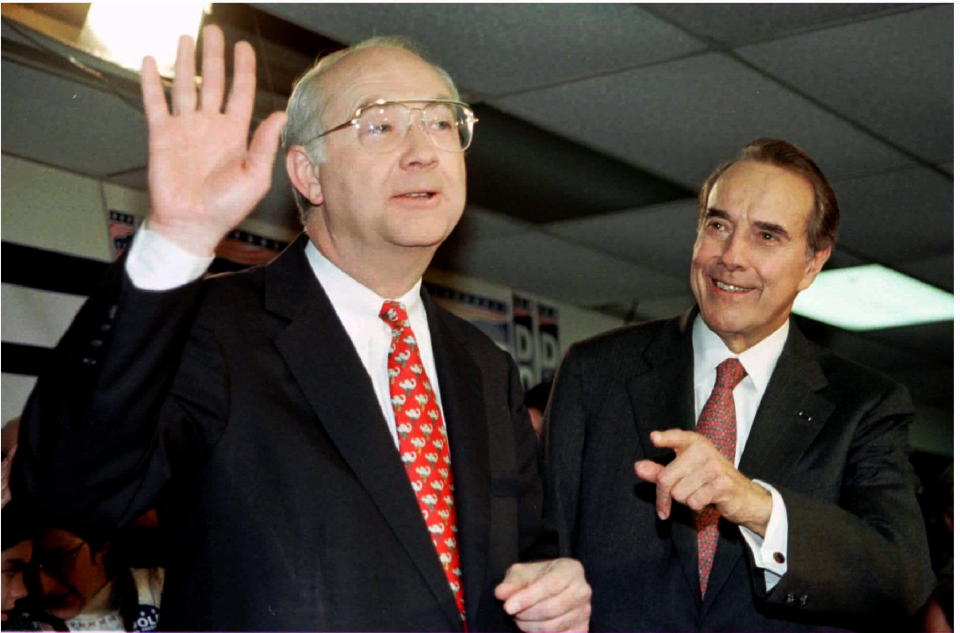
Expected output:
{"points": [[659, 237], [898, 216], [894, 74], [70, 125], [478, 223], [933, 270], [680, 119], [134, 178], [511, 46], [737, 23], [546, 265]]}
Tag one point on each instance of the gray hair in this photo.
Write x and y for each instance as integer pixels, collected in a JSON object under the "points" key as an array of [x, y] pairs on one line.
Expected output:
{"points": [[308, 102]]}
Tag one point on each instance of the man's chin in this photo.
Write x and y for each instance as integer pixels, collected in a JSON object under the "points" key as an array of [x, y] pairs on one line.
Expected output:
{"points": [[64, 610]]}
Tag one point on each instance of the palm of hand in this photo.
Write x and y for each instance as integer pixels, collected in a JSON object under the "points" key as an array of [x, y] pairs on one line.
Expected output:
{"points": [[203, 177]]}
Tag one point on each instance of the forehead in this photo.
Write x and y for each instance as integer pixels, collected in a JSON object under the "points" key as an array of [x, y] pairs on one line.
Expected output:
{"points": [[20, 551], [764, 192], [381, 73], [58, 539]]}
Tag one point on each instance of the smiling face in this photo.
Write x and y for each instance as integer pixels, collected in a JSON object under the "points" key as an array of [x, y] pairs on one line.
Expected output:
{"points": [[370, 203], [751, 257]]}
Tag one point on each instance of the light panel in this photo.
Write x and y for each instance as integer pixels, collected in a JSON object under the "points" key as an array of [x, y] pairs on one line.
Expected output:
{"points": [[872, 297], [124, 33]]}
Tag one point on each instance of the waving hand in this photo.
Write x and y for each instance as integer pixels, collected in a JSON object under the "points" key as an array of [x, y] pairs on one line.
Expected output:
{"points": [[204, 177]]}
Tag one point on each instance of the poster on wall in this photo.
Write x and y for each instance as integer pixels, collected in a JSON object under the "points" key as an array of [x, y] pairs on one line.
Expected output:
{"points": [[490, 315], [524, 346], [535, 340], [121, 226], [248, 248], [548, 341], [239, 247]]}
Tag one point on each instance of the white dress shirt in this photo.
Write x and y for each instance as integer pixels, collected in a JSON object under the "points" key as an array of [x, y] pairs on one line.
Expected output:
{"points": [[759, 361], [156, 263]]}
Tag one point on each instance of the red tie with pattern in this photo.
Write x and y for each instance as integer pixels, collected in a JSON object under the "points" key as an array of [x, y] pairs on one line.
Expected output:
{"points": [[718, 421], [423, 443]]}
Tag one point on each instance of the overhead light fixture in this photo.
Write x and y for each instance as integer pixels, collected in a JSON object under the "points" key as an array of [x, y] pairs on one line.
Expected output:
{"points": [[872, 297], [124, 33]]}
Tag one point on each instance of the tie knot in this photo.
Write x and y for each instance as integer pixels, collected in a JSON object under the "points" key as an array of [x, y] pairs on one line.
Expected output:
{"points": [[394, 314], [729, 373]]}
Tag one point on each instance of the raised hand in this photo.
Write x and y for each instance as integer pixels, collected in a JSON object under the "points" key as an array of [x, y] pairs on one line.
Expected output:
{"points": [[699, 476], [550, 595], [204, 178]]}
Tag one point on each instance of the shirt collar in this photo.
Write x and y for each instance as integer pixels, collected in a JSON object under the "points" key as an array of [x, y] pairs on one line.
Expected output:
{"points": [[350, 298], [759, 361]]}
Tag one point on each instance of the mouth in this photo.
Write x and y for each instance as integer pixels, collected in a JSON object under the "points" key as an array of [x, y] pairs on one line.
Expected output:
{"points": [[417, 195], [730, 287]]}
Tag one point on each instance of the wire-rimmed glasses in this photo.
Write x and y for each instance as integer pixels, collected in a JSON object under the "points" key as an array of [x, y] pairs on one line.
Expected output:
{"points": [[382, 125]]}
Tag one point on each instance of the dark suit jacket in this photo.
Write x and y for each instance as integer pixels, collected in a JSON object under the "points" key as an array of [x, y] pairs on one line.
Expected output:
{"points": [[240, 404], [829, 435]]}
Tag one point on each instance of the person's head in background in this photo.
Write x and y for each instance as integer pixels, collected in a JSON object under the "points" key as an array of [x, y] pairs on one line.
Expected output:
{"points": [[17, 554], [536, 402], [70, 571]]}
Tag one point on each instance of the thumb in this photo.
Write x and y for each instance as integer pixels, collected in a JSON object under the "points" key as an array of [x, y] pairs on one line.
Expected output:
{"points": [[518, 576], [266, 139], [648, 470]]}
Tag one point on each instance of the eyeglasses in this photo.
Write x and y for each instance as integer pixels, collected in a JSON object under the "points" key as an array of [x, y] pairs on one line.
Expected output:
{"points": [[382, 125], [56, 562]]}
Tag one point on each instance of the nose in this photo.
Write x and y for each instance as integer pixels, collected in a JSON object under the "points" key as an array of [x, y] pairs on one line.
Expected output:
{"points": [[734, 253], [17, 587], [419, 150]]}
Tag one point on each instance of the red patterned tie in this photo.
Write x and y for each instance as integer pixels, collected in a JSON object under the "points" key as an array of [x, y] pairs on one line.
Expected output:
{"points": [[718, 421], [423, 443]]}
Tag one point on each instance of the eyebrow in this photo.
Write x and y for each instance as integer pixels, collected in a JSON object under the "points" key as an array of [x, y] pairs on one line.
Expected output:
{"points": [[771, 227]]}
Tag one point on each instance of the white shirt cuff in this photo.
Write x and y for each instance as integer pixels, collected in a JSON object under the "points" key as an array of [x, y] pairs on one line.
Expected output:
{"points": [[770, 551], [157, 263]]}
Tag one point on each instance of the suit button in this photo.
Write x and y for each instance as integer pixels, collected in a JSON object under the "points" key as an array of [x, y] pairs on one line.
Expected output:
{"points": [[96, 342], [89, 362], [803, 600], [779, 557], [791, 598]]}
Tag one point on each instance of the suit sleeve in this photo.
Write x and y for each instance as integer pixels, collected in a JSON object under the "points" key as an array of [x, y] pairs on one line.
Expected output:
{"points": [[865, 555], [564, 434], [93, 451]]}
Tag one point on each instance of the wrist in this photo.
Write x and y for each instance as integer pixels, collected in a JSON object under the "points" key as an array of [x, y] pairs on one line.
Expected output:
{"points": [[198, 241], [760, 510]]}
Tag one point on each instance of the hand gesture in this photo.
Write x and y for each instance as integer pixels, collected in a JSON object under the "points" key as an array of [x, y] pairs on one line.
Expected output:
{"points": [[550, 595], [204, 179], [699, 476]]}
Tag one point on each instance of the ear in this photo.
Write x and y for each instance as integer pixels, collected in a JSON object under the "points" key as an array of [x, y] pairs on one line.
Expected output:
{"points": [[814, 266], [303, 175]]}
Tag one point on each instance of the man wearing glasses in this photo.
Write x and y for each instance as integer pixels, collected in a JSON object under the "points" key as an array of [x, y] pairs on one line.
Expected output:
{"points": [[327, 448], [83, 587]]}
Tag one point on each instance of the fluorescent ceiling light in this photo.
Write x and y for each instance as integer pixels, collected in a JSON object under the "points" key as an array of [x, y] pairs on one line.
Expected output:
{"points": [[125, 33], [872, 297]]}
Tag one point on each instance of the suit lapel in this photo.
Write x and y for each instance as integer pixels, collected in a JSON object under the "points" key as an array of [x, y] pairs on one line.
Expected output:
{"points": [[662, 397], [464, 412], [789, 417], [323, 361], [790, 414]]}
